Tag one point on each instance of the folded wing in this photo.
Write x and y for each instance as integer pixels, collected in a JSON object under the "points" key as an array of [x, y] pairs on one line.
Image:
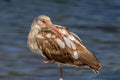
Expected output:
{"points": [[66, 49]]}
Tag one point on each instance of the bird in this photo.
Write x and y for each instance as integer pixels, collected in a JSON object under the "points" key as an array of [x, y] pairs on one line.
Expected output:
{"points": [[56, 43]]}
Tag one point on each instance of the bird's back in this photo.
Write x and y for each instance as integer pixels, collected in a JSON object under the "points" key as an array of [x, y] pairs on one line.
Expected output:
{"points": [[66, 49]]}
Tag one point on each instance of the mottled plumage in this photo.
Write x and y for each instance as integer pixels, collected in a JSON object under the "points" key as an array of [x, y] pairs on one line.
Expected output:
{"points": [[56, 43]]}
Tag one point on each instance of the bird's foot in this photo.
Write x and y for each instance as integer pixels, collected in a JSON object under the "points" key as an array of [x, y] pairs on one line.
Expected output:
{"points": [[61, 79], [46, 61]]}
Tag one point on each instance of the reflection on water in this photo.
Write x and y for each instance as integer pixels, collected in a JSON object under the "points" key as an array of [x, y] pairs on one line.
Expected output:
{"points": [[96, 22]]}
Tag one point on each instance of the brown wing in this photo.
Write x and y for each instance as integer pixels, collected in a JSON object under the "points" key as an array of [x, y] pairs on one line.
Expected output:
{"points": [[66, 49], [53, 47]]}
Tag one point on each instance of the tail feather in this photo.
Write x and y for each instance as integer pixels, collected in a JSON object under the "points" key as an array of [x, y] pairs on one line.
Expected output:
{"points": [[95, 71]]}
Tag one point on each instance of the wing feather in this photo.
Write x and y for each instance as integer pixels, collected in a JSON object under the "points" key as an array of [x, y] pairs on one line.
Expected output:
{"points": [[61, 51], [76, 36], [52, 49]]}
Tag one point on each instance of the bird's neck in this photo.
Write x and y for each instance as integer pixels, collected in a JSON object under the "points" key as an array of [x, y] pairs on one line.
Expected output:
{"points": [[31, 39], [33, 32]]}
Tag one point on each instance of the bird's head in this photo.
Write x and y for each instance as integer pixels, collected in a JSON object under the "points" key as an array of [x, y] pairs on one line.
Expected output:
{"points": [[43, 21]]}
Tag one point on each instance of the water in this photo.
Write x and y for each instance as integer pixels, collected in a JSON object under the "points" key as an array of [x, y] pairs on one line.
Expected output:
{"points": [[97, 22]]}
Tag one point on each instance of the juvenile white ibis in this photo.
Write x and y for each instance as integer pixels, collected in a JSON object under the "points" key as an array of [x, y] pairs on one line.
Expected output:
{"points": [[58, 44]]}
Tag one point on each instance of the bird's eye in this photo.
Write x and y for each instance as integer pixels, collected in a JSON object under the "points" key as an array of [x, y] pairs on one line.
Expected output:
{"points": [[44, 21]]}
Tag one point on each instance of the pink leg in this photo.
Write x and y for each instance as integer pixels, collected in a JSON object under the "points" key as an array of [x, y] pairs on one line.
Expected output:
{"points": [[60, 71], [47, 61]]}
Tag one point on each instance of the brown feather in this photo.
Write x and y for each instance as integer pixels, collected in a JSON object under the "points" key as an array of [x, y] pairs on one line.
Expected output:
{"points": [[53, 52], [60, 46]]}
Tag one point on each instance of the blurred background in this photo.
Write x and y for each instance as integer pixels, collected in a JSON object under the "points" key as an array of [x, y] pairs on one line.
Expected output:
{"points": [[97, 22]]}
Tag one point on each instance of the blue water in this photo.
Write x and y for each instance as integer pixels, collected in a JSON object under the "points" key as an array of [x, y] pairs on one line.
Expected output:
{"points": [[97, 22]]}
